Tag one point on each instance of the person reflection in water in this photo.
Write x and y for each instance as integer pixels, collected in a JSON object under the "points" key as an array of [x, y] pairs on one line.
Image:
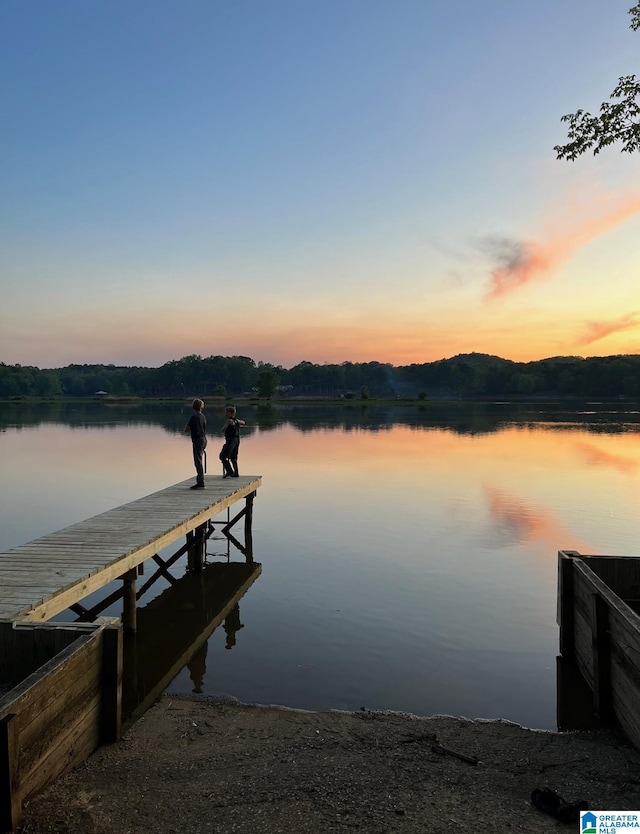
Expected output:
{"points": [[232, 624], [197, 667]]}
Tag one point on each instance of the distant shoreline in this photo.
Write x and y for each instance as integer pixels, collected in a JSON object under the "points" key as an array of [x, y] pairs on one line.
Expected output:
{"points": [[319, 400]]}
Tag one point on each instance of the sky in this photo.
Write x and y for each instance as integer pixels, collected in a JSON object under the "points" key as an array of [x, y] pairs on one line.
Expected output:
{"points": [[319, 180]]}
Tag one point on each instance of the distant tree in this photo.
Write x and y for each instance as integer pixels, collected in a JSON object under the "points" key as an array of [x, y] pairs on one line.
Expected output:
{"points": [[525, 383], [618, 121], [267, 383], [15, 380], [240, 373], [47, 384]]}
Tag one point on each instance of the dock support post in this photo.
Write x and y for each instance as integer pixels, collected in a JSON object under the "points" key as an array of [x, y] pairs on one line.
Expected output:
{"points": [[10, 800], [129, 619], [565, 604], [248, 523], [247, 512], [602, 695], [197, 542]]}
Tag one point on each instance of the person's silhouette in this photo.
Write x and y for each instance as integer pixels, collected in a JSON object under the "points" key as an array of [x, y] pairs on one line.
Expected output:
{"points": [[197, 667], [232, 624]]}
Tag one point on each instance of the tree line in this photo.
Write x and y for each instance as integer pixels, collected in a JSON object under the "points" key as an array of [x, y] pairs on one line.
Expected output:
{"points": [[463, 376]]}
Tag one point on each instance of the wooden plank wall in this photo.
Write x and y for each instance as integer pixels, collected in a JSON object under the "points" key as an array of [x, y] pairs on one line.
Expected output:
{"points": [[624, 639], [55, 718], [620, 573], [606, 637], [25, 649]]}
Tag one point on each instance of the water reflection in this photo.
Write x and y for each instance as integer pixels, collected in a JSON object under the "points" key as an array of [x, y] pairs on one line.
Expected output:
{"points": [[411, 550], [471, 418], [232, 626], [174, 629], [517, 521], [575, 708], [596, 456]]}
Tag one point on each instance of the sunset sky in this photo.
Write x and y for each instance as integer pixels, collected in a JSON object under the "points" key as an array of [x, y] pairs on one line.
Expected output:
{"points": [[322, 180]]}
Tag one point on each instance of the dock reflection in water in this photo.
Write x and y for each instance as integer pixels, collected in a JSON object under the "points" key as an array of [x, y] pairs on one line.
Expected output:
{"points": [[173, 630], [574, 702]]}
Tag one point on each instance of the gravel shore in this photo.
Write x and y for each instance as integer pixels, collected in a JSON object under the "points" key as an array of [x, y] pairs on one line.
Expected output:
{"points": [[193, 764]]}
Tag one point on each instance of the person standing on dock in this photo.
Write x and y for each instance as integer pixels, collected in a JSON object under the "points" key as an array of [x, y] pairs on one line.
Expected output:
{"points": [[197, 425], [229, 452]]}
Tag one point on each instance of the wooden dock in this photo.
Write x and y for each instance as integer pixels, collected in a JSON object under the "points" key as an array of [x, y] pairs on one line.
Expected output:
{"points": [[46, 576], [61, 684]]}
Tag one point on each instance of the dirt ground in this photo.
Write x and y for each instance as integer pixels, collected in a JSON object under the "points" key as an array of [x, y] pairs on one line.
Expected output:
{"points": [[194, 765]]}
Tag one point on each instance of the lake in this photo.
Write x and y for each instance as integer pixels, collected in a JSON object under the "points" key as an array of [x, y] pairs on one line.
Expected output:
{"points": [[409, 553]]}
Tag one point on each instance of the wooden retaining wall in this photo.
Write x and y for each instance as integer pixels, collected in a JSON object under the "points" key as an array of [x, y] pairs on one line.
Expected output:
{"points": [[57, 715], [600, 632]]}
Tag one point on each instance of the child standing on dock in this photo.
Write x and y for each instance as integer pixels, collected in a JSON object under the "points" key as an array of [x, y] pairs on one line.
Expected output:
{"points": [[197, 425], [229, 452]]}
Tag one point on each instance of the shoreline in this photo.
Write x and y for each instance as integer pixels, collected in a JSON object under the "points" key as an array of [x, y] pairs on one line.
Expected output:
{"points": [[196, 764]]}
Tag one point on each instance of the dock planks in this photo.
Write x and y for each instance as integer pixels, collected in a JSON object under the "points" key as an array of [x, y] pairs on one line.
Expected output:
{"points": [[43, 577]]}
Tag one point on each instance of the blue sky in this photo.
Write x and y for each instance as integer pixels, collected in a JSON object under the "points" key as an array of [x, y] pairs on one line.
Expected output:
{"points": [[326, 181]]}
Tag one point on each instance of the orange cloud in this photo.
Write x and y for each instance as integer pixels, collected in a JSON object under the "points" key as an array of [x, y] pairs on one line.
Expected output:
{"points": [[520, 262], [595, 330]]}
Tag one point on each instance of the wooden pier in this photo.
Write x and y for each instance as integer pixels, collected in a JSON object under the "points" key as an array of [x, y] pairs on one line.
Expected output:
{"points": [[61, 683], [44, 577]]}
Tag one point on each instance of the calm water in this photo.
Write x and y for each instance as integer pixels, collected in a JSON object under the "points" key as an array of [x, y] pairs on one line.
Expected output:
{"points": [[408, 554]]}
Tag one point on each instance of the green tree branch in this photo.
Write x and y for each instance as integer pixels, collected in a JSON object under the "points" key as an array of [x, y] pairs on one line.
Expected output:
{"points": [[618, 121]]}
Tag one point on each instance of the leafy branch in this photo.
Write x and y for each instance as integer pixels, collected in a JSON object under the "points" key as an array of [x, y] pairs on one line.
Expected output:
{"points": [[618, 120]]}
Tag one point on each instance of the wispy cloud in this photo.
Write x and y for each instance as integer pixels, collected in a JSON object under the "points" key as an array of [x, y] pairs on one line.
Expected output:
{"points": [[519, 262], [595, 330]]}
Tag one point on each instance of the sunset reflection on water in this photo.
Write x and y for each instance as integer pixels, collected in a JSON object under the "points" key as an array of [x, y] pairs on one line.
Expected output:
{"points": [[405, 565]]}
